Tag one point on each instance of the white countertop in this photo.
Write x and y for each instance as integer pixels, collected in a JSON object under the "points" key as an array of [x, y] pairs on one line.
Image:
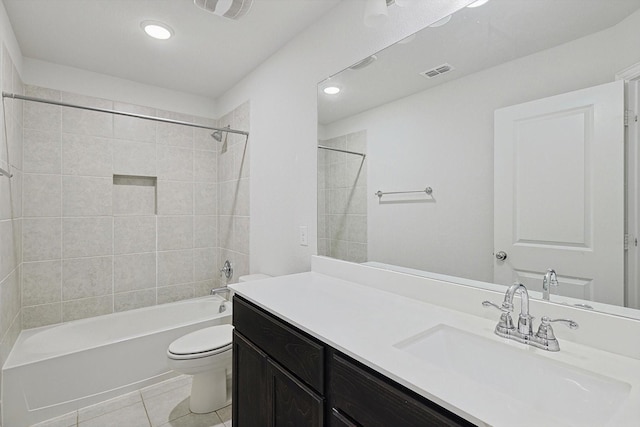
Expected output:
{"points": [[365, 323]]}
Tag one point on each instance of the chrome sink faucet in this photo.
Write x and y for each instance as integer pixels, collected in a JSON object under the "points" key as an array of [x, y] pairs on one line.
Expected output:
{"points": [[550, 279], [544, 338]]}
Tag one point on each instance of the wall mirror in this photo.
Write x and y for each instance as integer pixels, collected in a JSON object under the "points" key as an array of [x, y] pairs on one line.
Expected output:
{"points": [[490, 147]]}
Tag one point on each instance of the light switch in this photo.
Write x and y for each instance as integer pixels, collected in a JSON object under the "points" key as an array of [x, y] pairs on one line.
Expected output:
{"points": [[303, 236]]}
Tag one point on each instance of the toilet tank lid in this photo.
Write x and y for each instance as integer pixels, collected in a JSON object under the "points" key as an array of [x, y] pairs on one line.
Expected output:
{"points": [[250, 277], [203, 340]]}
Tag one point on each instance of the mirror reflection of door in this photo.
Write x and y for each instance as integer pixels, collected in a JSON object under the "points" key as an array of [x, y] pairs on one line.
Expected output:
{"points": [[559, 192]]}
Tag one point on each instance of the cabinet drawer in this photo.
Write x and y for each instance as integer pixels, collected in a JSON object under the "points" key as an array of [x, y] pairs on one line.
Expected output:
{"points": [[302, 356], [370, 401]]}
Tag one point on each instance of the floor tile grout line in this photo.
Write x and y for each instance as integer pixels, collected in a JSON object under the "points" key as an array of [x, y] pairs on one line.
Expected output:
{"points": [[144, 405]]}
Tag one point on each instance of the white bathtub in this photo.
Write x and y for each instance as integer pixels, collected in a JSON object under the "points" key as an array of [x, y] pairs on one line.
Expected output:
{"points": [[57, 369]]}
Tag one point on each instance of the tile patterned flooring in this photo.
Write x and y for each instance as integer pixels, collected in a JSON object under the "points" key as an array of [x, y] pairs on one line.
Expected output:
{"points": [[165, 404]]}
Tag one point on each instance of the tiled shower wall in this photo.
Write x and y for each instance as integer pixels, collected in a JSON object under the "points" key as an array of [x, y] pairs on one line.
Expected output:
{"points": [[122, 213], [233, 200], [342, 198], [10, 208]]}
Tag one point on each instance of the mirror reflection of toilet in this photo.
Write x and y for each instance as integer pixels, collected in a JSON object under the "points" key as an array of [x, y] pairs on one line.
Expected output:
{"points": [[206, 354]]}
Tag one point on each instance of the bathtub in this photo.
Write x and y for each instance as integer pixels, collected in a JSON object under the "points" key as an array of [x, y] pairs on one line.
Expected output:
{"points": [[57, 369]]}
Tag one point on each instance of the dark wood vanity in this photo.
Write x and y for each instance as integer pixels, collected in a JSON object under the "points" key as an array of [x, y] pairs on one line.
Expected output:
{"points": [[284, 377]]}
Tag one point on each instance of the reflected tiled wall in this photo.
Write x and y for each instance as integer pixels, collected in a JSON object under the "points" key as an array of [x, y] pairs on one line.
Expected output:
{"points": [[119, 212], [10, 208], [233, 186], [342, 203]]}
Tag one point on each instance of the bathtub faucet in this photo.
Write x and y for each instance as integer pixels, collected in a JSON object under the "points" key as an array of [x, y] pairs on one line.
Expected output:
{"points": [[222, 290]]}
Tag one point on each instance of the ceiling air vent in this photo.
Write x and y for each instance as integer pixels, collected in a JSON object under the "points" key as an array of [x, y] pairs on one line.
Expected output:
{"points": [[440, 69]]}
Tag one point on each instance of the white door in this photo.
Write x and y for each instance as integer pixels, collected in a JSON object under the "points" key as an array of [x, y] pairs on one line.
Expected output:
{"points": [[559, 193]]}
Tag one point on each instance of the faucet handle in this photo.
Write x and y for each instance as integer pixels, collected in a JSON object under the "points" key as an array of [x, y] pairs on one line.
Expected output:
{"points": [[496, 306], [570, 323], [545, 331], [505, 323]]}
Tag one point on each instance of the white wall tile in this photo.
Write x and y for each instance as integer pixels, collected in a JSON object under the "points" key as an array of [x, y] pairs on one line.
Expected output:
{"points": [[86, 277], [86, 196], [42, 151], [205, 166], [85, 237], [135, 299], [42, 116], [89, 307], [41, 315], [175, 267], [175, 163], [205, 231], [131, 128], [205, 198], [10, 298], [202, 139], [86, 155], [5, 196], [16, 136], [241, 234], [168, 294], [16, 193], [175, 232], [134, 234], [84, 122], [205, 265], [17, 239], [357, 228], [241, 159], [42, 195], [41, 282], [42, 239], [134, 272], [134, 158], [175, 198], [357, 252], [174, 135], [134, 196]]}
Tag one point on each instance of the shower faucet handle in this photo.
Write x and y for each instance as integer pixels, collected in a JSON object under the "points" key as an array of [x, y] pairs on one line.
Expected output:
{"points": [[227, 270]]}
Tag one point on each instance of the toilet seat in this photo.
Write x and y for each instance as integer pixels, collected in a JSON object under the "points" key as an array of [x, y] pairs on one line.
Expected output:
{"points": [[202, 343]]}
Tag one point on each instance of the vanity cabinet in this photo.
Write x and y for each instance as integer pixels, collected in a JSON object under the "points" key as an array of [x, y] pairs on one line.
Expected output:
{"points": [[278, 373], [284, 377]]}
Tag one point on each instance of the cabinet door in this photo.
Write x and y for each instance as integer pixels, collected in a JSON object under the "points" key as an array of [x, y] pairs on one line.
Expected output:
{"points": [[374, 402], [250, 402], [339, 420], [293, 404]]}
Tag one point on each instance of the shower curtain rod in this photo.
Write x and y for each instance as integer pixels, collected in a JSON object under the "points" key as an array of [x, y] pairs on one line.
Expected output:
{"points": [[121, 113], [342, 151]]}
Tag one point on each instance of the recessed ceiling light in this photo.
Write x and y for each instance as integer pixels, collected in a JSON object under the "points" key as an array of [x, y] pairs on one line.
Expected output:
{"points": [[331, 90], [157, 30], [478, 3]]}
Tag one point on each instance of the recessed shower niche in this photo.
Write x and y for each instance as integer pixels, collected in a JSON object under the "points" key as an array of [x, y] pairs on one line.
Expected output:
{"points": [[135, 195]]}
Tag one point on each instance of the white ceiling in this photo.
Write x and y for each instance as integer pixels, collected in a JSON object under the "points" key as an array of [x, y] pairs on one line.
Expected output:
{"points": [[475, 39], [207, 55]]}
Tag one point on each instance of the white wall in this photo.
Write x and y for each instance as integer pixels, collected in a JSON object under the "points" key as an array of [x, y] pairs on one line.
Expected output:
{"points": [[284, 122], [75, 80], [8, 38], [443, 138]]}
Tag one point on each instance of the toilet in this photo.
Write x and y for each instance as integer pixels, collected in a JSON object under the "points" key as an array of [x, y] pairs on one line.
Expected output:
{"points": [[206, 354]]}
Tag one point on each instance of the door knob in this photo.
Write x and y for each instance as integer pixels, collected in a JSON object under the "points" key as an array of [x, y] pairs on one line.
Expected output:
{"points": [[501, 256]]}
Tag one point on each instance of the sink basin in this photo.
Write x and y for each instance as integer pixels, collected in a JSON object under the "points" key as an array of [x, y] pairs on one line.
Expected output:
{"points": [[568, 394]]}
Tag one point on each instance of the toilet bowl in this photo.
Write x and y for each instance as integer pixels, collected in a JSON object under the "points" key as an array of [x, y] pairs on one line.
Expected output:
{"points": [[205, 354]]}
